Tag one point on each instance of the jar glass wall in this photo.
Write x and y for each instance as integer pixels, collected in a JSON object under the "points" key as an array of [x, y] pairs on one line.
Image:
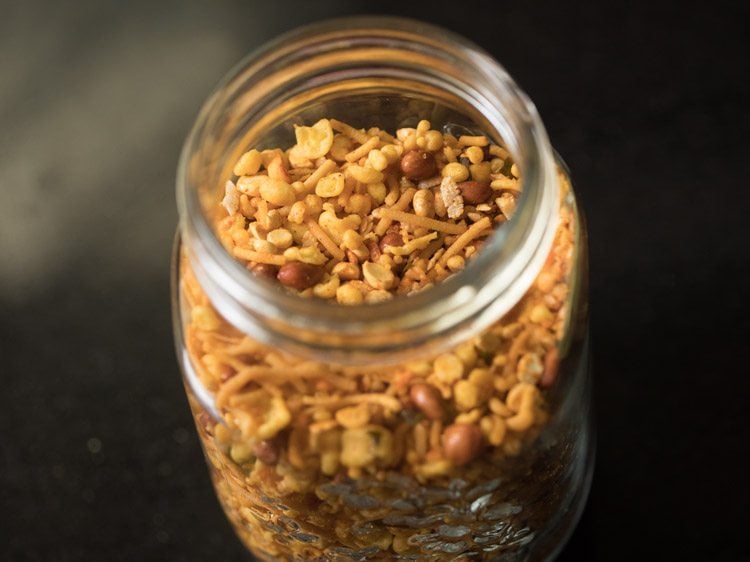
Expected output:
{"points": [[451, 422]]}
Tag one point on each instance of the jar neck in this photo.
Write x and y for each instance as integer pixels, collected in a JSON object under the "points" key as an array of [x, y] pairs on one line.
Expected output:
{"points": [[342, 62]]}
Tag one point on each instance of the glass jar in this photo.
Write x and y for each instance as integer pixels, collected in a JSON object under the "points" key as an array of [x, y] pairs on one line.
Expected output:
{"points": [[280, 452]]}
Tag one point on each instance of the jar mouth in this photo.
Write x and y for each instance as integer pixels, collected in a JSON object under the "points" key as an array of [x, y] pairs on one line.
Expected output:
{"points": [[264, 92]]}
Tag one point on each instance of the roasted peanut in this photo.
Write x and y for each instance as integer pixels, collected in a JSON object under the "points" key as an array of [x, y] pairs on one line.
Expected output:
{"points": [[298, 275], [266, 451], [428, 400], [475, 192], [265, 270], [551, 367], [462, 443], [418, 165]]}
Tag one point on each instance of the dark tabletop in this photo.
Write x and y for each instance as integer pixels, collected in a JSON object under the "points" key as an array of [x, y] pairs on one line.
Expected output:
{"points": [[647, 102]]}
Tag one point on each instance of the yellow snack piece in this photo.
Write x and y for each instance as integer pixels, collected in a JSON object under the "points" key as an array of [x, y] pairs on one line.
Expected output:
{"points": [[357, 448], [377, 191], [327, 289], [277, 418], [458, 172], [448, 368], [335, 226], [348, 294], [364, 174], [466, 395], [353, 417], [277, 192], [475, 154], [315, 141], [330, 186], [248, 164], [205, 318], [308, 254], [377, 276]]}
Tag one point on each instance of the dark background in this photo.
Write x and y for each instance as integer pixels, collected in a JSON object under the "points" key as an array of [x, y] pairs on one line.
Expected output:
{"points": [[647, 102]]}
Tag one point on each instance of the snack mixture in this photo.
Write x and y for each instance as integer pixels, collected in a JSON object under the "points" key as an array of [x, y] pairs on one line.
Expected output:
{"points": [[318, 461]]}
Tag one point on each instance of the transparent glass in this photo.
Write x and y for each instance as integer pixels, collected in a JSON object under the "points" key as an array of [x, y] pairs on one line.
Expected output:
{"points": [[287, 497]]}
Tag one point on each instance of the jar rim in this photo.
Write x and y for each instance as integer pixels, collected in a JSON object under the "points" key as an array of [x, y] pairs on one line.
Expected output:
{"points": [[450, 311]]}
